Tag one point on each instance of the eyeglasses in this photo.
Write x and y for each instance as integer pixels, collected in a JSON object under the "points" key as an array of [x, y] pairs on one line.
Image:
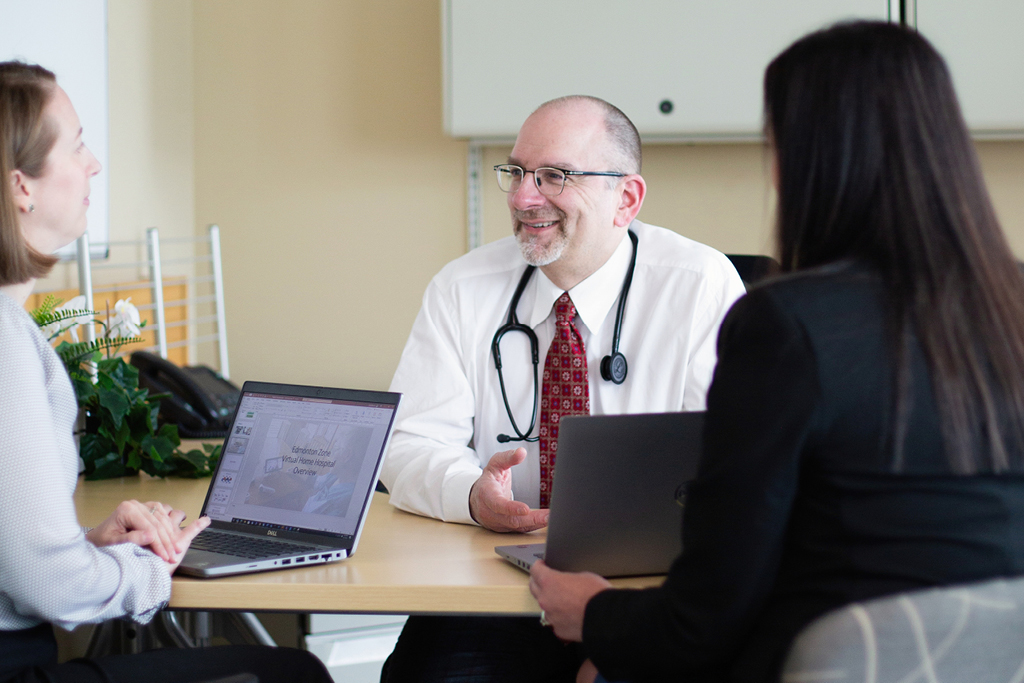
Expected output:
{"points": [[550, 181]]}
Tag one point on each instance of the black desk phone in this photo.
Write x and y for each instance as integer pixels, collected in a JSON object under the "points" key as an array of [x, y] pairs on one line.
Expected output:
{"points": [[201, 401]]}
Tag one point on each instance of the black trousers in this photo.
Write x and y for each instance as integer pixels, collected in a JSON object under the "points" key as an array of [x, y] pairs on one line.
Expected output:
{"points": [[30, 656], [479, 649]]}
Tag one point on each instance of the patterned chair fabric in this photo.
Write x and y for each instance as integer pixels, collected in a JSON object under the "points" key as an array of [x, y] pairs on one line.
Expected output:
{"points": [[972, 633]]}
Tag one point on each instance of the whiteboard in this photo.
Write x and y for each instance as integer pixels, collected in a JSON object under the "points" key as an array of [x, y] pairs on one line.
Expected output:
{"points": [[502, 59], [69, 39], [983, 46]]}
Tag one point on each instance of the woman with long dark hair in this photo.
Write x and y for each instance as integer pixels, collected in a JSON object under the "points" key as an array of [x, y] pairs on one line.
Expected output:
{"points": [[865, 426]]}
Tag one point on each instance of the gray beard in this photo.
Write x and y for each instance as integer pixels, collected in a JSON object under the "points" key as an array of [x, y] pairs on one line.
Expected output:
{"points": [[538, 255]]}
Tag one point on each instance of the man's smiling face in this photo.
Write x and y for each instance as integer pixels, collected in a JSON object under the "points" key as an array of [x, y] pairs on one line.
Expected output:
{"points": [[571, 226]]}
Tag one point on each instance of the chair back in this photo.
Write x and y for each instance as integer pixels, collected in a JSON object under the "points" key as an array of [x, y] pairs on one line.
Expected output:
{"points": [[971, 633], [754, 267]]}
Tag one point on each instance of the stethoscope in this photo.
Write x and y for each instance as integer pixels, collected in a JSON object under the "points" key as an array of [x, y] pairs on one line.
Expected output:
{"points": [[613, 366]]}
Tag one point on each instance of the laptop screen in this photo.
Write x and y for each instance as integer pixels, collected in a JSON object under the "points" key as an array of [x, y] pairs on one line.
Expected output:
{"points": [[298, 463]]}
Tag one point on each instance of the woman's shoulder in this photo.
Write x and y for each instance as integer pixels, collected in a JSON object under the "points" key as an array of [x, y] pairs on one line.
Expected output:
{"points": [[829, 279], [825, 292], [20, 337], [832, 308], [15, 322]]}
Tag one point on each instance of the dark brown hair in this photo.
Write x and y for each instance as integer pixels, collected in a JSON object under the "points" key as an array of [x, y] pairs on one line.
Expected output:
{"points": [[26, 138], [875, 164]]}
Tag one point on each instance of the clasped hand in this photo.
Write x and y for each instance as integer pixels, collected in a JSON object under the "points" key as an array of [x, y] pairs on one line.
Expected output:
{"points": [[150, 525], [490, 499], [564, 596]]}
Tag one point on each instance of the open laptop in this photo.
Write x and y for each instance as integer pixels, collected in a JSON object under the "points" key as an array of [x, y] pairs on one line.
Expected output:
{"points": [[619, 490], [295, 478]]}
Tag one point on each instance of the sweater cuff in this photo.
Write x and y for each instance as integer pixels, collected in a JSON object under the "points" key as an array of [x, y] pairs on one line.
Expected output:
{"points": [[147, 583]]}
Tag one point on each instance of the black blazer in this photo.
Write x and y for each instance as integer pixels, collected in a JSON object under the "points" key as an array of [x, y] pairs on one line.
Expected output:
{"points": [[797, 509]]}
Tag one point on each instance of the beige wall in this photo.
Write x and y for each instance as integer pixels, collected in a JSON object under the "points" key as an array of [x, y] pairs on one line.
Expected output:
{"points": [[317, 146], [151, 163], [320, 154], [151, 118], [1003, 164]]}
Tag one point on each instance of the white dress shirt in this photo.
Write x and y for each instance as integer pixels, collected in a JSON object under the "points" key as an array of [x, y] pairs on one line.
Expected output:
{"points": [[48, 570], [452, 411]]}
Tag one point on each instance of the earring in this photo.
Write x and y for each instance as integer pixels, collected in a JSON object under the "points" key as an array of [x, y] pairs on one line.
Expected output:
{"points": [[31, 208]]}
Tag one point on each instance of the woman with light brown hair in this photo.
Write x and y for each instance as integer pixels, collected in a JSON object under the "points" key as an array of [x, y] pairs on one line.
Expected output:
{"points": [[52, 571]]}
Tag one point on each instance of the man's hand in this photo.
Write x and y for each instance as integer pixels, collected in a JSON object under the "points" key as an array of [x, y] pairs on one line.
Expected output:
{"points": [[151, 525], [490, 499], [564, 596]]}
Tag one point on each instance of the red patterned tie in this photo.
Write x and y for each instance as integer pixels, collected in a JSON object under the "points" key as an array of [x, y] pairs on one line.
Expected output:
{"points": [[565, 390]]}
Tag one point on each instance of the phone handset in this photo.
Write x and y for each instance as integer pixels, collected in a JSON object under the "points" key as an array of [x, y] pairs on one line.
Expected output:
{"points": [[199, 400]]}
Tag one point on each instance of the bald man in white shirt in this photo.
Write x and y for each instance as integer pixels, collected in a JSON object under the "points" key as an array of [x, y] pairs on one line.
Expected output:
{"points": [[446, 442], [574, 191]]}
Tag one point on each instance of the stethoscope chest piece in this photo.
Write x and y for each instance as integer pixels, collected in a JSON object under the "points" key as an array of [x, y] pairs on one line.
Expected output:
{"points": [[614, 368]]}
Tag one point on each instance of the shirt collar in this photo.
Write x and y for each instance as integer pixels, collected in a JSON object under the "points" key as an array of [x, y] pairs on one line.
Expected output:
{"points": [[594, 297]]}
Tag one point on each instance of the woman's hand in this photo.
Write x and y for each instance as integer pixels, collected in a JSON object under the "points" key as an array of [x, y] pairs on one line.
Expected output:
{"points": [[587, 673], [151, 525], [185, 536], [563, 597]]}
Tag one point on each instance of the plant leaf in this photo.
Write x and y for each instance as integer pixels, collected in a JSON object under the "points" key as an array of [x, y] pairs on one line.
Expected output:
{"points": [[193, 464], [154, 413], [134, 460], [115, 401], [171, 432], [92, 447], [85, 390], [160, 448], [44, 318], [106, 467], [123, 374], [50, 302], [122, 435], [74, 355], [214, 455]]}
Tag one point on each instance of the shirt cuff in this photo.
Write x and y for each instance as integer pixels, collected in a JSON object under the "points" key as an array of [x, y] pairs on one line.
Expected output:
{"points": [[455, 499]]}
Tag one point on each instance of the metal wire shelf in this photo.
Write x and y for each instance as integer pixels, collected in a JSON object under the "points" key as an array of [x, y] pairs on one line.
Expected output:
{"points": [[154, 265]]}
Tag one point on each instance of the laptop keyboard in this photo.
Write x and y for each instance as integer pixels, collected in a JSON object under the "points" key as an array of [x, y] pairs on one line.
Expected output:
{"points": [[249, 547]]}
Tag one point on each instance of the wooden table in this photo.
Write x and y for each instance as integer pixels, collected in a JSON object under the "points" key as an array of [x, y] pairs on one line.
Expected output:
{"points": [[404, 564]]}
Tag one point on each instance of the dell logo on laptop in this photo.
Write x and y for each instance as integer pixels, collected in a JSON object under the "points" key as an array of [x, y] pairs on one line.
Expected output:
{"points": [[271, 532], [681, 493]]}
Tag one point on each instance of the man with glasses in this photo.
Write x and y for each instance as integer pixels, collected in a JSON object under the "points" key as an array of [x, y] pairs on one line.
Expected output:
{"points": [[574, 189]]}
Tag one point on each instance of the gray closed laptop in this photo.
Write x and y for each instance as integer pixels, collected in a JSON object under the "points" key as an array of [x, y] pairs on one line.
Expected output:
{"points": [[295, 479], [619, 489]]}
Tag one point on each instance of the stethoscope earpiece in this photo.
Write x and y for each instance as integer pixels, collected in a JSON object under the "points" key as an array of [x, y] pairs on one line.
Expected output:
{"points": [[614, 368]]}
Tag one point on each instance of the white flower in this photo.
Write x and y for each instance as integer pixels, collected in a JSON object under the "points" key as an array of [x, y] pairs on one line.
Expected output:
{"points": [[126, 321], [58, 328]]}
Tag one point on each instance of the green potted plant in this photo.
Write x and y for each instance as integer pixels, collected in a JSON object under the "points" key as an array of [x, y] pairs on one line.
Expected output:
{"points": [[121, 434]]}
